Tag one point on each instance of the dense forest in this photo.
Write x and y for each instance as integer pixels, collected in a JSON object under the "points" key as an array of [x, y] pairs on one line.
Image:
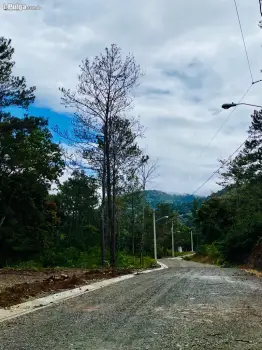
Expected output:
{"points": [[229, 223], [100, 215]]}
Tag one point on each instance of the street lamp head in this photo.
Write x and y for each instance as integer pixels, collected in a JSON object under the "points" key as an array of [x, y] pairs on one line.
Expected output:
{"points": [[229, 105], [163, 217]]}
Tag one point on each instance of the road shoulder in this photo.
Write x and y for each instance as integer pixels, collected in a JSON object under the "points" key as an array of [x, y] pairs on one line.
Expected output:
{"points": [[40, 303]]}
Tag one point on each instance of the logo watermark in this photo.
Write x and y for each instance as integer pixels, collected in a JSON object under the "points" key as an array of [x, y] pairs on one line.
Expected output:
{"points": [[21, 7]]}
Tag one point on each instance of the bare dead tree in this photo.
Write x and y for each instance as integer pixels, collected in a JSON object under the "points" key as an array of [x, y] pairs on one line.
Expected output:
{"points": [[102, 95]]}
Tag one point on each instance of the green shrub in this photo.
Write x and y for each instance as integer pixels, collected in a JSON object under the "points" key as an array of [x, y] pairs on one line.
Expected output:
{"points": [[28, 265], [160, 252], [220, 261], [129, 261], [66, 257], [226, 264], [91, 259], [148, 262], [212, 251], [124, 260], [169, 252], [201, 250], [187, 258], [51, 259]]}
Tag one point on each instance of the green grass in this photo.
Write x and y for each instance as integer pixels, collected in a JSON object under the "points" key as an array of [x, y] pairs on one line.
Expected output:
{"points": [[25, 265], [87, 260], [177, 254], [130, 261]]}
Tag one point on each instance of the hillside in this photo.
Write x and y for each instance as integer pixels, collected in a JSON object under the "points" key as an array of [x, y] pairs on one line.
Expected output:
{"points": [[180, 202]]}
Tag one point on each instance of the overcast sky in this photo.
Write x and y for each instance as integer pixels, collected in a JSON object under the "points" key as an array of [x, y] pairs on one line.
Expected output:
{"points": [[193, 56]]}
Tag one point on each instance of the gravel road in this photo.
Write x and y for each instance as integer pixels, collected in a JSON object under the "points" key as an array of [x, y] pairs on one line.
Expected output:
{"points": [[188, 306]]}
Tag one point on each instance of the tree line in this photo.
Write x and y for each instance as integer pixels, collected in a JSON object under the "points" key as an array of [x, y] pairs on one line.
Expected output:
{"points": [[99, 216], [229, 223]]}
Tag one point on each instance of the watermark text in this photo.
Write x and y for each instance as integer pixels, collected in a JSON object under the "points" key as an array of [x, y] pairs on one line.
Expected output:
{"points": [[20, 7]]}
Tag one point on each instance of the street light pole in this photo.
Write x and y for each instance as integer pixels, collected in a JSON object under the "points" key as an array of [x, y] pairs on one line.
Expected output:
{"points": [[154, 228], [230, 105], [192, 243], [172, 234]]}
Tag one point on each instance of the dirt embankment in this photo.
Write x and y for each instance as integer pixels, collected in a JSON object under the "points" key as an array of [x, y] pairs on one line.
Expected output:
{"points": [[17, 286], [255, 259], [203, 259], [253, 265]]}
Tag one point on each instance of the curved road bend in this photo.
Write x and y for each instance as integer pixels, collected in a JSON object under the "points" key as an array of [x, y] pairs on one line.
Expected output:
{"points": [[188, 306]]}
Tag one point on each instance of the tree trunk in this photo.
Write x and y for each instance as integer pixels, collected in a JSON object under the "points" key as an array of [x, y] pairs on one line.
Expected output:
{"points": [[114, 219], [143, 229], [113, 213], [133, 225], [102, 222], [109, 196]]}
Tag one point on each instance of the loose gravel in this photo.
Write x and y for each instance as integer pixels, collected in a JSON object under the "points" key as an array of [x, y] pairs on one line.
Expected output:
{"points": [[188, 306]]}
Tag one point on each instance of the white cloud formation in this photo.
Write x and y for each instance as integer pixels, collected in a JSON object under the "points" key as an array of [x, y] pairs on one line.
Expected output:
{"points": [[194, 60]]}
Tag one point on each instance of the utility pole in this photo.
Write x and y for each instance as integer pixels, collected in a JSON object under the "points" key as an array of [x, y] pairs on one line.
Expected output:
{"points": [[192, 243], [154, 228], [172, 234]]}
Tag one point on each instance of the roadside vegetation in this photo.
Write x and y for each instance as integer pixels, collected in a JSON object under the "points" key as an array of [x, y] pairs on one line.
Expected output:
{"points": [[177, 254], [208, 254], [228, 224], [99, 215]]}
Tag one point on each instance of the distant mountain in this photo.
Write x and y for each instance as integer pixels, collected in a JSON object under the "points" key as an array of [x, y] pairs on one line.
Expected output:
{"points": [[180, 202]]}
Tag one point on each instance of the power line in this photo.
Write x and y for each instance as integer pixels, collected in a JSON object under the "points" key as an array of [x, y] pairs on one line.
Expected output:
{"points": [[221, 166], [240, 25], [251, 75], [253, 82], [224, 122]]}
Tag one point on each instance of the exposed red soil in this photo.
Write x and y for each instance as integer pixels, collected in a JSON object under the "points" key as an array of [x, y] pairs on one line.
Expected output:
{"points": [[35, 283]]}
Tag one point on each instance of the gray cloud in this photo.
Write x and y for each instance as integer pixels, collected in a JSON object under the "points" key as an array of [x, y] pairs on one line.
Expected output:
{"points": [[155, 91], [191, 82], [194, 61], [194, 99]]}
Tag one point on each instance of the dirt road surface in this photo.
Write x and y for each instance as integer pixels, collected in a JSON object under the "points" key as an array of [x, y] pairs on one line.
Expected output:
{"points": [[188, 306]]}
